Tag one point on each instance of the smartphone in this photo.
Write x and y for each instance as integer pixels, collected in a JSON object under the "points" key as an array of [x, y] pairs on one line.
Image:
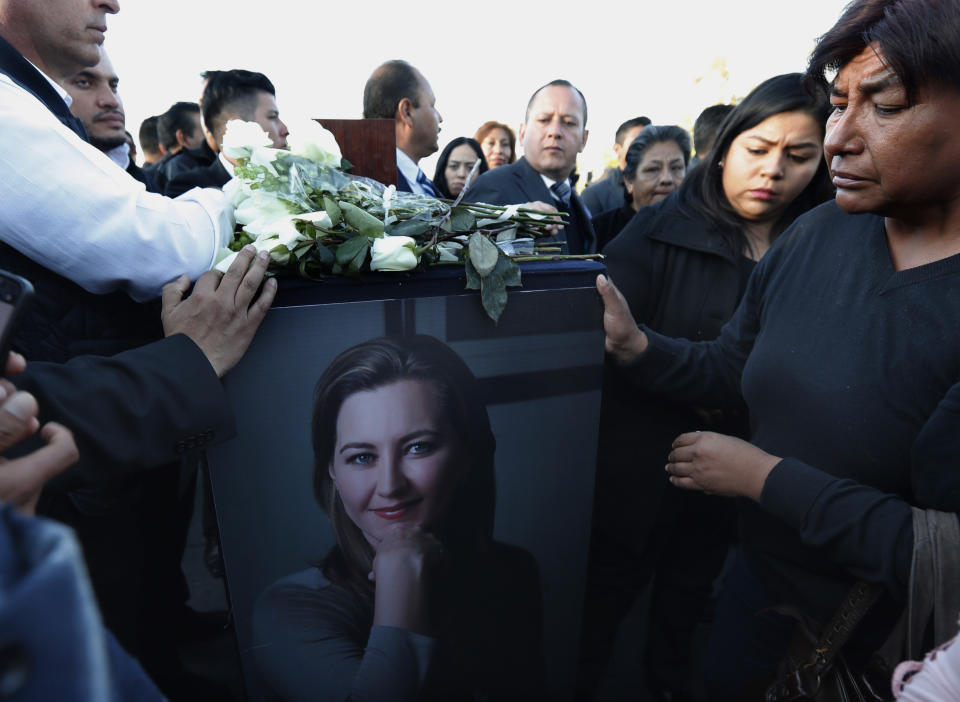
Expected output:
{"points": [[15, 294]]}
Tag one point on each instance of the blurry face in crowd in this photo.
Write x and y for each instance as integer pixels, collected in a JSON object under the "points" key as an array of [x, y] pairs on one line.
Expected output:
{"points": [[769, 165], [395, 458], [195, 138], [554, 132], [97, 104], [660, 173], [496, 148], [461, 162], [621, 149], [886, 156], [267, 115], [60, 36]]}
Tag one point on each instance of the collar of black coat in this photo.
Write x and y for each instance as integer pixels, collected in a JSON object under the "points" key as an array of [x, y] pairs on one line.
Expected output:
{"points": [[24, 74], [671, 222]]}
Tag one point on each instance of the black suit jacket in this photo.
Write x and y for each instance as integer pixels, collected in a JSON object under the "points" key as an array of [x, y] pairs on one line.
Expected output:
{"points": [[212, 176], [517, 183]]}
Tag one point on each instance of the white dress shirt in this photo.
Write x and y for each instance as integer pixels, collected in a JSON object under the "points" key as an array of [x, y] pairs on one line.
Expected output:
{"points": [[410, 171], [65, 205]]}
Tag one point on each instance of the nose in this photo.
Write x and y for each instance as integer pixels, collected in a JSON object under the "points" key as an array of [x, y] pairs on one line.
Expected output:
{"points": [[841, 135], [284, 132], [772, 166], [107, 99], [111, 7], [390, 477]]}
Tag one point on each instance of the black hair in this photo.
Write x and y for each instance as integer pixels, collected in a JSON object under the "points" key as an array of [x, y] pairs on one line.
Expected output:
{"points": [[149, 142], [918, 39], [235, 89], [628, 125], [561, 83], [702, 189], [374, 364], [706, 127], [387, 86], [440, 175], [178, 118], [647, 138]]}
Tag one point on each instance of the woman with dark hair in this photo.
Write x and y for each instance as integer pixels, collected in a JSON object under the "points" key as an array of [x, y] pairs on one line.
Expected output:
{"points": [[655, 165], [416, 601], [683, 265], [846, 351], [498, 142], [454, 165]]}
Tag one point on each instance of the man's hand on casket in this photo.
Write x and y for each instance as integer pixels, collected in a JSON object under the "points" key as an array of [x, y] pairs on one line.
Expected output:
{"points": [[221, 315]]}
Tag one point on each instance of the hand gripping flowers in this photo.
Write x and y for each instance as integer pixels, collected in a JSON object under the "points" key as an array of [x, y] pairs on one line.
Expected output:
{"points": [[317, 221]]}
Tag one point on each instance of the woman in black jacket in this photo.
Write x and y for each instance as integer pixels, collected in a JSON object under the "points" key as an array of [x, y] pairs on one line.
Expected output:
{"points": [[682, 265]]}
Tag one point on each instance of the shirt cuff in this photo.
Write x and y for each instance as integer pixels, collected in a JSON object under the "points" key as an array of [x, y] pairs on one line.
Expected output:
{"points": [[409, 650], [791, 489]]}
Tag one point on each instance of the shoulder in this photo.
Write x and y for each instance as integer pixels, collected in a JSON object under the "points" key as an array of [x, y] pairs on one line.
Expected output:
{"points": [[500, 186], [826, 230]]}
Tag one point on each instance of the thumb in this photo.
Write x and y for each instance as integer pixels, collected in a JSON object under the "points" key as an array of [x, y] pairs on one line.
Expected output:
{"points": [[172, 292]]}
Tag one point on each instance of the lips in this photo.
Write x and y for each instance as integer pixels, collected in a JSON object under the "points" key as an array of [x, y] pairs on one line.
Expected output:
{"points": [[396, 511], [763, 193], [846, 179]]}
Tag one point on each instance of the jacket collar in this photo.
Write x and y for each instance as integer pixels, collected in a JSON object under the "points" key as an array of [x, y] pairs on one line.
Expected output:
{"points": [[25, 74], [679, 226]]}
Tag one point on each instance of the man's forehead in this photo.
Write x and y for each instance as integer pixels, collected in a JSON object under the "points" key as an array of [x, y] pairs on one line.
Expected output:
{"points": [[557, 98]]}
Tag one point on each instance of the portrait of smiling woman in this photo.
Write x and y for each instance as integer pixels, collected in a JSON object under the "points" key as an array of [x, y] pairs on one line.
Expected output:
{"points": [[416, 601]]}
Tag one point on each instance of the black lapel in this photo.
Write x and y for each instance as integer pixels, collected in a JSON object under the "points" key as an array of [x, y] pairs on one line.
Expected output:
{"points": [[30, 79]]}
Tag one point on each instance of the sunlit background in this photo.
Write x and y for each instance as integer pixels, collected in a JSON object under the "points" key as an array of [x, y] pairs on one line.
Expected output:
{"points": [[666, 60]]}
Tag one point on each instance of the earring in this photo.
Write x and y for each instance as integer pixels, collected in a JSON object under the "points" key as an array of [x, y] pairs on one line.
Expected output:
{"points": [[720, 165]]}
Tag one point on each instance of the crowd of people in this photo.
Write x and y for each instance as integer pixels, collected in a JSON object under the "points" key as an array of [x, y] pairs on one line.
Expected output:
{"points": [[780, 412]]}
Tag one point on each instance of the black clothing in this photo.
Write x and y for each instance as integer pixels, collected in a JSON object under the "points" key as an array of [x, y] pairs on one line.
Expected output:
{"points": [[850, 370], [608, 193], [681, 278], [519, 183], [172, 165], [211, 176], [610, 223]]}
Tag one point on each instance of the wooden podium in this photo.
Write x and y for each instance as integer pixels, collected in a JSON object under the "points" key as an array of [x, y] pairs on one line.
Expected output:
{"points": [[369, 144]]}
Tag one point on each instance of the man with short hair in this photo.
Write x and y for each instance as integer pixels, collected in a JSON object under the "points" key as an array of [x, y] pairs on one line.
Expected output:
{"points": [[96, 102], [149, 143], [553, 133], [705, 130], [181, 134], [234, 94], [609, 193], [398, 91]]}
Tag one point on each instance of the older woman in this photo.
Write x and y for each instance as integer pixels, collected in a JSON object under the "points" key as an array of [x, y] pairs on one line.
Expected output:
{"points": [[498, 142], [683, 263], [416, 601], [845, 349], [655, 165]]}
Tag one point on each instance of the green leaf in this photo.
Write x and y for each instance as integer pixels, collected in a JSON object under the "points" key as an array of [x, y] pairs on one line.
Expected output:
{"points": [[508, 270], [348, 250], [483, 253], [473, 278], [353, 268], [462, 220], [332, 209], [361, 220], [411, 227], [323, 255], [493, 294]]}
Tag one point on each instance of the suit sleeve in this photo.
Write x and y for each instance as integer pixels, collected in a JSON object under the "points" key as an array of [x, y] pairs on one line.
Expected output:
{"points": [[137, 410], [487, 188]]}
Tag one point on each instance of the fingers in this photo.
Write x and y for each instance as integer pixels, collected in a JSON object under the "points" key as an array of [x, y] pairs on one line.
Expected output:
{"points": [[251, 280], [22, 479], [689, 438], [15, 364], [173, 292], [18, 418], [231, 280], [684, 483], [260, 308]]}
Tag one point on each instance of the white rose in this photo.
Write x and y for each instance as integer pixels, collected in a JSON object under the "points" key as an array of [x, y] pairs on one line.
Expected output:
{"points": [[393, 253], [310, 140], [241, 138], [261, 205]]}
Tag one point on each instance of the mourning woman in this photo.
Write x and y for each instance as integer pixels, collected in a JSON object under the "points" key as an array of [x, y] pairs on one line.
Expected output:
{"points": [[455, 164], [845, 350], [498, 142], [415, 601], [683, 265], [655, 165]]}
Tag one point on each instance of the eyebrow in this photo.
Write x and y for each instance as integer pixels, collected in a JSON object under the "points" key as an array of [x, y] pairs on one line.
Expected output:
{"points": [[803, 145], [870, 86], [402, 439]]}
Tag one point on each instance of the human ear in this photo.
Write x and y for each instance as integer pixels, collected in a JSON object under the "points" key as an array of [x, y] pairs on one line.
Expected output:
{"points": [[521, 132], [586, 133], [405, 111]]}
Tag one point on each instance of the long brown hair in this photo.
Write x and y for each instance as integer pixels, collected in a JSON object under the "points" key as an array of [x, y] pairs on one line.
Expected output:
{"points": [[372, 365], [488, 127]]}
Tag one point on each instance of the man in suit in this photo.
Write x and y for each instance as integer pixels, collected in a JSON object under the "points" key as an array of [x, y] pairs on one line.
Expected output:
{"points": [[96, 103], [234, 94], [553, 133], [398, 91]]}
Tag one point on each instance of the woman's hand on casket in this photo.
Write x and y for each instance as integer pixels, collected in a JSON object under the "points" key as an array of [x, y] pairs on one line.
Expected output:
{"points": [[624, 340], [407, 559], [719, 465]]}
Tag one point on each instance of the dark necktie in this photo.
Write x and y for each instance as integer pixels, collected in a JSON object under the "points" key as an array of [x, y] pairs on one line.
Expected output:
{"points": [[425, 183], [561, 191]]}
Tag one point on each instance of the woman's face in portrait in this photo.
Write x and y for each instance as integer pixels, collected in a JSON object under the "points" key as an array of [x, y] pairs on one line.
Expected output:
{"points": [[395, 459], [461, 161], [769, 165], [659, 173], [886, 156], [496, 148]]}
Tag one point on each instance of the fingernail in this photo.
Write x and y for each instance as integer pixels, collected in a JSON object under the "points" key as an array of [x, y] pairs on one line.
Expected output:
{"points": [[272, 282], [21, 406], [263, 255], [250, 247]]}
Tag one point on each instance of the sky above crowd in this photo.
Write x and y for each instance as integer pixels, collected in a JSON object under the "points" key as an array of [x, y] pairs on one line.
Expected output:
{"points": [[666, 60]]}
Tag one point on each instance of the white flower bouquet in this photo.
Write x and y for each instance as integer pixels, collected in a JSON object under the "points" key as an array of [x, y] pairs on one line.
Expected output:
{"points": [[317, 221]]}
